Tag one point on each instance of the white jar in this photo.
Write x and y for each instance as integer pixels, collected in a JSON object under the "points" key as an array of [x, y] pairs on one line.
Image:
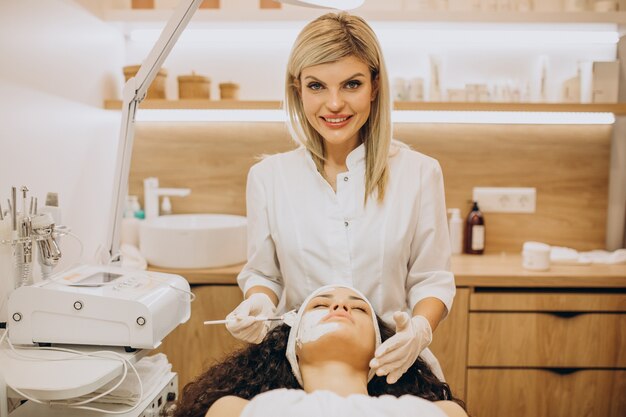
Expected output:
{"points": [[536, 256]]}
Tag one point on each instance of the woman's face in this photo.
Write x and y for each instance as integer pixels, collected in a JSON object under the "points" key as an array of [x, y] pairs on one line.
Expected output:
{"points": [[337, 99], [337, 323]]}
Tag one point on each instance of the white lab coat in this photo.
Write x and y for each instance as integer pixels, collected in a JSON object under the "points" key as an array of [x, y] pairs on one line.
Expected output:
{"points": [[290, 402], [302, 235]]}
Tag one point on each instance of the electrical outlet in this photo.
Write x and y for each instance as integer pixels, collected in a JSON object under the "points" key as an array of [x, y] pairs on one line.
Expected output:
{"points": [[505, 199]]}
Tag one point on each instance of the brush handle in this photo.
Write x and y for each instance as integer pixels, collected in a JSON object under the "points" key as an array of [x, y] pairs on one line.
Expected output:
{"points": [[232, 320]]}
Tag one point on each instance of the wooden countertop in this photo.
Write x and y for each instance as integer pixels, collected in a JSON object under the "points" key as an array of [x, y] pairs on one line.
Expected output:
{"points": [[503, 270]]}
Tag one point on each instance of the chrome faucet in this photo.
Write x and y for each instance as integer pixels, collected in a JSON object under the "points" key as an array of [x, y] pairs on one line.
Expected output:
{"points": [[152, 192]]}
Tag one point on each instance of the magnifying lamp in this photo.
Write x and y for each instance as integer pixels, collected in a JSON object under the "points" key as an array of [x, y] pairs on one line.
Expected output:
{"points": [[135, 91]]}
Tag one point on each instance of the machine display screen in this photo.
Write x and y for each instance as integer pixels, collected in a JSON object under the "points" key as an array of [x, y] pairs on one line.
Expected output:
{"points": [[100, 278]]}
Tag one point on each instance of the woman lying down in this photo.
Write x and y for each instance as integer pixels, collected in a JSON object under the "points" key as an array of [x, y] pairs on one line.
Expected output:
{"points": [[317, 364]]}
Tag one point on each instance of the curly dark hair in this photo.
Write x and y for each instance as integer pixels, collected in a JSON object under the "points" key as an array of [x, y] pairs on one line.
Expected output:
{"points": [[255, 369]]}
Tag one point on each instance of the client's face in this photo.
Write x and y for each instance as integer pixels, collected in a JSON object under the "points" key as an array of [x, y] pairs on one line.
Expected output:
{"points": [[337, 324]]}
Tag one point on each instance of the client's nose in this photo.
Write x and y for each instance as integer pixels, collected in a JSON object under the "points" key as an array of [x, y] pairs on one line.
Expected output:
{"points": [[339, 304]]}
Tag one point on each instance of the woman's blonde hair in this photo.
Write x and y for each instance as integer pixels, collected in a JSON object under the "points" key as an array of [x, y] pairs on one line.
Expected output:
{"points": [[328, 39]]}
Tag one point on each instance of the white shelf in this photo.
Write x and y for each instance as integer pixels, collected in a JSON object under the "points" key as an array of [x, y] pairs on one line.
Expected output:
{"points": [[295, 14]]}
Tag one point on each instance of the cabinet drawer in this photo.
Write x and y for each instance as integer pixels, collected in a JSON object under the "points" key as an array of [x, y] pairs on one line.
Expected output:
{"points": [[586, 340], [548, 300], [534, 392]]}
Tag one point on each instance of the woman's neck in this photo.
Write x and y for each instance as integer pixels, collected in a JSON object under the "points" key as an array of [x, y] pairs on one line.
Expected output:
{"points": [[336, 155], [338, 377]]}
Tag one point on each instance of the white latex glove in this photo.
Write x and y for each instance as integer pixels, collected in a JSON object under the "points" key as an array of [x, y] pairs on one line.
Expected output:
{"points": [[243, 325], [396, 355]]}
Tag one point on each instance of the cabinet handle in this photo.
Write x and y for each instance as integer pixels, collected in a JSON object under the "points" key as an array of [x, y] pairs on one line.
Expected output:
{"points": [[563, 371], [565, 314]]}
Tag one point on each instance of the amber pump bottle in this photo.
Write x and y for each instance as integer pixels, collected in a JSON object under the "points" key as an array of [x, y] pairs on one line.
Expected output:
{"points": [[475, 232]]}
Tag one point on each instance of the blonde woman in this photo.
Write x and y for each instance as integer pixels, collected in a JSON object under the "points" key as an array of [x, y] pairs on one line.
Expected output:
{"points": [[350, 206]]}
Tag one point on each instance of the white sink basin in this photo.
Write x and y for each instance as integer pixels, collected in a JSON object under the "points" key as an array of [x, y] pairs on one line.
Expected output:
{"points": [[193, 240]]}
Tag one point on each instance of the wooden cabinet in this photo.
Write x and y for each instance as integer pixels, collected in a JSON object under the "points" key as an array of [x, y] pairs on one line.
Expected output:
{"points": [[450, 343], [546, 353], [192, 346], [494, 392]]}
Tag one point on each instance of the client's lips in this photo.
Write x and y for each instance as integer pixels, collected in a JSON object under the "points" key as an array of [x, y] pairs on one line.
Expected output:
{"points": [[339, 313]]}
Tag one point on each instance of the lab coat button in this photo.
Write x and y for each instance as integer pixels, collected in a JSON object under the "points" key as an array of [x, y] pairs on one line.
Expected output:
{"points": [[345, 178], [346, 224]]}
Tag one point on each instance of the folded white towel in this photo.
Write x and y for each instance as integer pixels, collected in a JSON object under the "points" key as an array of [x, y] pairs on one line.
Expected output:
{"points": [[569, 256], [289, 403], [605, 257]]}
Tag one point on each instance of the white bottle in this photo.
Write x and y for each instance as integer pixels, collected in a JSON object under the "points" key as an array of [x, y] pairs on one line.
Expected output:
{"points": [[166, 206], [455, 227], [132, 206]]}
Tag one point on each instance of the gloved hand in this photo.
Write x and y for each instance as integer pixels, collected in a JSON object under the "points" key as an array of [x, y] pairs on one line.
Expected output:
{"points": [[399, 352], [243, 325]]}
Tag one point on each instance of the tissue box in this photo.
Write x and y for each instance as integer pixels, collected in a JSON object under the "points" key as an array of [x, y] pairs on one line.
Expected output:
{"points": [[605, 78]]}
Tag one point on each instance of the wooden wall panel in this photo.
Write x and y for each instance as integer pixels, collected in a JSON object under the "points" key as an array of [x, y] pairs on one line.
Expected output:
{"points": [[569, 166], [212, 159]]}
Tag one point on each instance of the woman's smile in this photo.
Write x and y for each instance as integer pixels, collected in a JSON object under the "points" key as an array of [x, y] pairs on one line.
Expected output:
{"points": [[336, 121]]}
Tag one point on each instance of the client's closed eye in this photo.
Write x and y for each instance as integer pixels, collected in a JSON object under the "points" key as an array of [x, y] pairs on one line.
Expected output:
{"points": [[320, 305]]}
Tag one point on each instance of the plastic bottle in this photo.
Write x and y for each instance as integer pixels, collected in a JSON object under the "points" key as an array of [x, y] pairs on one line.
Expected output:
{"points": [[166, 206], [132, 206], [475, 232], [455, 228], [130, 222]]}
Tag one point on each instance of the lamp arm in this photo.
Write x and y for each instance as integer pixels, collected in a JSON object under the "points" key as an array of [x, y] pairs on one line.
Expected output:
{"points": [[134, 92]]}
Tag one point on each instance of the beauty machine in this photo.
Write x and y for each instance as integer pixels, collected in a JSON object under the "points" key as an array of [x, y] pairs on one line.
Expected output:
{"points": [[98, 305]]}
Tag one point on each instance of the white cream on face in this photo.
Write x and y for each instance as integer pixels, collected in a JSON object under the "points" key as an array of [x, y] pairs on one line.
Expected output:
{"points": [[310, 327]]}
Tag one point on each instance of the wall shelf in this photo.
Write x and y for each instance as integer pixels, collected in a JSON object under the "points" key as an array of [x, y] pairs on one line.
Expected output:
{"points": [[615, 108], [295, 14], [199, 104]]}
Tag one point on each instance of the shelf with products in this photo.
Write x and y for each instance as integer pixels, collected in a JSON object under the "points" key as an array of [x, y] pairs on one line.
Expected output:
{"points": [[615, 108], [295, 14]]}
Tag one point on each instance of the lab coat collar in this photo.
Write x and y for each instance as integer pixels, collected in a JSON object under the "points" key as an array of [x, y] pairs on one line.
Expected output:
{"points": [[356, 158]]}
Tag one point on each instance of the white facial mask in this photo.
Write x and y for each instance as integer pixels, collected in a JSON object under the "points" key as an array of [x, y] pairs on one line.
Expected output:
{"points": [[310, 327]]}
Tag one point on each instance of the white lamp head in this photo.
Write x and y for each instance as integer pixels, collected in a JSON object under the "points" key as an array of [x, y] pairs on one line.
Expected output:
{"points": [[326, 4]]}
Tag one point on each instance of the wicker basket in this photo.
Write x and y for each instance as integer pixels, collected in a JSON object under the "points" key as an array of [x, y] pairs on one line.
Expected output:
{"points": [[229, 91], [194, 86], [156, 89]]}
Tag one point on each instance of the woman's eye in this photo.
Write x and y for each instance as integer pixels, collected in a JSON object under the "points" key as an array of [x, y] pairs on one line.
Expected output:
{"points": [[361, 308], [320, 306], [353, 84], [314, 86]]}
